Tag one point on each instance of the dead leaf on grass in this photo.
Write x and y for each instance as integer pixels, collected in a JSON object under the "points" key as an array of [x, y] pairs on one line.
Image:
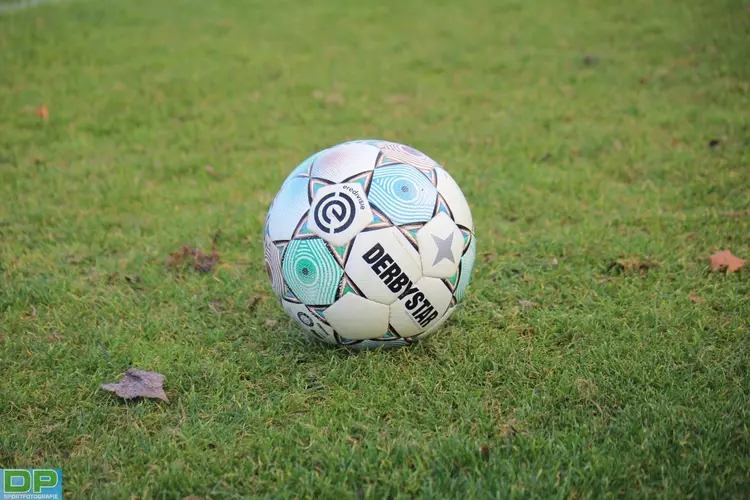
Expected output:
{"points": [[139, 384], [695, 299], [724, 260], [195, 258], [42, 112]]}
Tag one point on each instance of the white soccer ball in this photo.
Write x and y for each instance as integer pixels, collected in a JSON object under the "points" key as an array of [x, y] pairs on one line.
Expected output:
{"points": [[369, 244]]}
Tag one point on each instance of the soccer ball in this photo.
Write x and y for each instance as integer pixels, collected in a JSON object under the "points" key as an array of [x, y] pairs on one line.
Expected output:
{"points": [[369, 244]]}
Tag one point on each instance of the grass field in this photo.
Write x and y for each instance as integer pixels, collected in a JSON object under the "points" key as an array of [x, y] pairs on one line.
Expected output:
{"points": [[584, 133]]}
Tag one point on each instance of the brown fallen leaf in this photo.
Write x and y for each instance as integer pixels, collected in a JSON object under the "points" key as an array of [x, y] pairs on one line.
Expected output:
{"points": [[695, 299], [42, 112], [195, 258], [139, 384], [725, 260]]}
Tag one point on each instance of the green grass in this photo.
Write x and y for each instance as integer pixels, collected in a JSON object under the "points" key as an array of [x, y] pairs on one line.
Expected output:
{"points": [[609, 384]]}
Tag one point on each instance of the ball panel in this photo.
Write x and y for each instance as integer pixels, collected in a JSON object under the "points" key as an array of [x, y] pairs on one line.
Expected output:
{"points": [[339, 212], [357, 318], [420, 307], [370, 142], [303, 169], [287, 209], [467, 265], [309, 322], [440, 245], [403, 193], [311, 272], [454, 198], [383, 264], [344, 161], [406, 154], [272, 259]]}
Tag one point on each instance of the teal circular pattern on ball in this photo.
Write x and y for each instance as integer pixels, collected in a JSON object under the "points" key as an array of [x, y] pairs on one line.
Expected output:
{"points": [[311, 272], [403, 193]]}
